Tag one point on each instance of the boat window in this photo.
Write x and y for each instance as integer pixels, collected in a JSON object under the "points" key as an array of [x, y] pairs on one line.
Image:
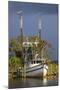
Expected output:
{"points": [[38, 61], [34, 62]]}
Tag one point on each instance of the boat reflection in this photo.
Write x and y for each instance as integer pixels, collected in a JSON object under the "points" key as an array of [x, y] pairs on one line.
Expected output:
{"points": [[45, 81]]}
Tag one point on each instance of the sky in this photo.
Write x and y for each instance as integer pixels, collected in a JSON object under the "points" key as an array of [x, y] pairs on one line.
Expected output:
{"points": [[48, 13]]}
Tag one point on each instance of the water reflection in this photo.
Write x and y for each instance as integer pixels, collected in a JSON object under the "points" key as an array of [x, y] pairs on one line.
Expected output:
{"points": [[45, 81], [32, 82]]}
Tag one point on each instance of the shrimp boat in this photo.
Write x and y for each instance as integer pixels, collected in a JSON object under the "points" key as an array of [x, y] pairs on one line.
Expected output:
{"points": [[35, 67]]}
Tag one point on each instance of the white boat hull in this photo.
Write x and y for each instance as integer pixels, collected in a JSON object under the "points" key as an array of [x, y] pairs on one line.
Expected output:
{"points": [[37, 71]]}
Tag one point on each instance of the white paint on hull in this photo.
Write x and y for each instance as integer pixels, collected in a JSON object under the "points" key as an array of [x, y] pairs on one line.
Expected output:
{"points": [[45, 68], [39, 70], [35, 73]]}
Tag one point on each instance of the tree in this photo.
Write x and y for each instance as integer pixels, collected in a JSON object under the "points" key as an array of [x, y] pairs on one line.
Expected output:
{"points": [[14, 63], [15, 45]]}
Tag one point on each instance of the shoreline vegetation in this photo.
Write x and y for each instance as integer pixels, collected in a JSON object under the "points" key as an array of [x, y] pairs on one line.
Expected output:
{"points": [[52, 71], [16, 59]]}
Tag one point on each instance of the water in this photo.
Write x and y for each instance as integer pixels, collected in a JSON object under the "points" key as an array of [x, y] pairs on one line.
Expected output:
{"points": [[32, 82]]}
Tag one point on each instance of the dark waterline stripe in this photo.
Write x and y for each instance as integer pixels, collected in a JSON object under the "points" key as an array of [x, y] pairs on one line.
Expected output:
{"points": [[35, 69], [34, 66]]}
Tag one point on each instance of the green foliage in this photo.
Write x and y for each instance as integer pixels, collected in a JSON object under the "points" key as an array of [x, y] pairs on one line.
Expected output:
{"points": [[14, 62], [14, 45]]}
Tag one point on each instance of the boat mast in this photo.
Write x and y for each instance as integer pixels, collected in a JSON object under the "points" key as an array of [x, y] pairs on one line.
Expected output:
{"points": [[39, 28], [39, 34], [42, 51], [21, 25], [21, 34]]}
